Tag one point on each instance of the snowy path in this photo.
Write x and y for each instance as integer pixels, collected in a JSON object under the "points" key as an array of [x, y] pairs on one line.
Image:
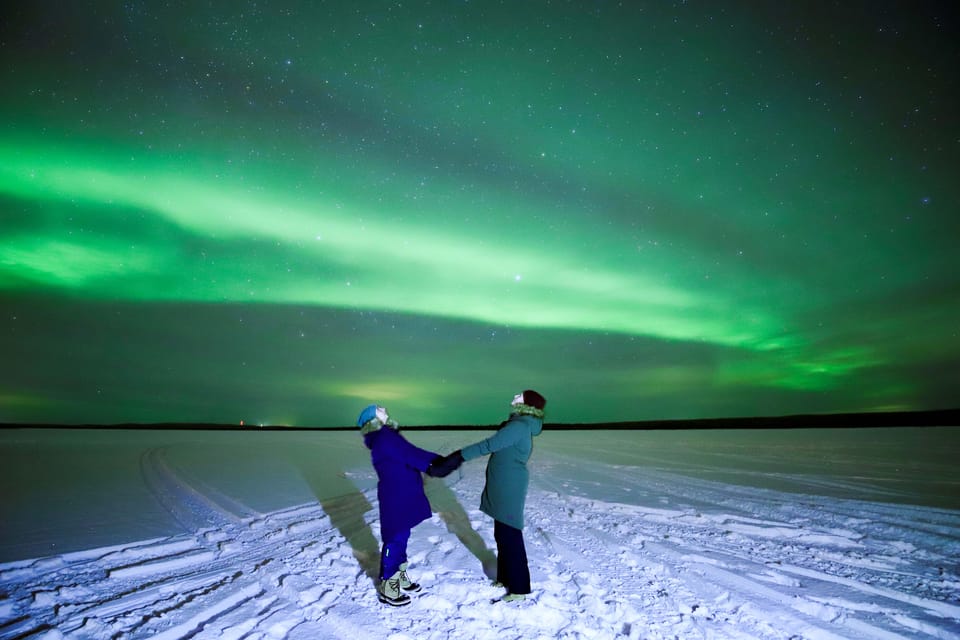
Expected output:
{"points": [[620, 552]]}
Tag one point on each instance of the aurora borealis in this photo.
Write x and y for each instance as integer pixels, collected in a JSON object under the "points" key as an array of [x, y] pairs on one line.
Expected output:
{"points": [[280, 212]]}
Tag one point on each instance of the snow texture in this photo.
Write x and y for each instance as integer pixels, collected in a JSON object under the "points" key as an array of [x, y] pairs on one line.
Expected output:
{"points": [[616, 551]]}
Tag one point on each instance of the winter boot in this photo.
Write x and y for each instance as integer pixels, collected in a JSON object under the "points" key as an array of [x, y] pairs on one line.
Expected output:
{"points": [[388, 591], [514, 597], [405, 582]]}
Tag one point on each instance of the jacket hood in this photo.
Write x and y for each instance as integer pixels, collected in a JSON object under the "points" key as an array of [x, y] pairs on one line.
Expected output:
{"points": [[537, 429], [535, 422]]}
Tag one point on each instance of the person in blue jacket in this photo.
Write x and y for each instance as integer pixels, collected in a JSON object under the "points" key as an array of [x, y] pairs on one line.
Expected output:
{"points": [[505, 491], [403, 504]]}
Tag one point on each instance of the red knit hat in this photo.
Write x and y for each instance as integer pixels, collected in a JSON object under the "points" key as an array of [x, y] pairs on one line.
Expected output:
{"points": [[534, 399]]}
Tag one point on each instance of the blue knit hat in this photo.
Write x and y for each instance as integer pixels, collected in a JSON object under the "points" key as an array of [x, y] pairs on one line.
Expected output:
{"points": [[367, 415]]}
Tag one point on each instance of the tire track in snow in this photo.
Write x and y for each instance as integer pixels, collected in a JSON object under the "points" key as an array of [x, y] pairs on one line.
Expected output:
{"points": [[229, 586], [646, 588], [192, 504], [741, 542], [227, 578]]}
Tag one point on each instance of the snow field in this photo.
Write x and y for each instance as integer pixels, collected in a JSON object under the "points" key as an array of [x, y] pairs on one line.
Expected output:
{"points": [[619, 552]]}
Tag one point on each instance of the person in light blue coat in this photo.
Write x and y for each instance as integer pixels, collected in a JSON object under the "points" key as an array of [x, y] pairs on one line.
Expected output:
{"points": [[505, 491]]}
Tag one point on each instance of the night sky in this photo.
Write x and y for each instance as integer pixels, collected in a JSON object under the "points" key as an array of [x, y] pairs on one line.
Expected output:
{"points": [[281, 212]]}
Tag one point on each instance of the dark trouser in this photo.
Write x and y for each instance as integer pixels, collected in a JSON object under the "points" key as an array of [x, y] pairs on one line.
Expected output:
{"points": [[393, 554], [512, 570]]}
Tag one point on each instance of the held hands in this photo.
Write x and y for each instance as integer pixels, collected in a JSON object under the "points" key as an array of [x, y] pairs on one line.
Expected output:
{"points": [[442, 466]]}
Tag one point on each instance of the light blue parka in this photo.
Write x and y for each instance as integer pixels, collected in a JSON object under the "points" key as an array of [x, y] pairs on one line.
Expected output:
{"points": [[509, 449]]}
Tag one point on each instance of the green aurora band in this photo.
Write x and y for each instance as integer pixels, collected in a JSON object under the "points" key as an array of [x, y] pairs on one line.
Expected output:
{"points": [[712, 190]]}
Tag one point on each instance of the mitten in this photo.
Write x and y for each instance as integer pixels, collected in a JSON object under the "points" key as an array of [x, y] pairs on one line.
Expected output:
{"points": [[442, 466]]}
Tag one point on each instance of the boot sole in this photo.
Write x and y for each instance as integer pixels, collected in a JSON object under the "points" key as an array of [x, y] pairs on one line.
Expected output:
{"points": [[398, 602]]}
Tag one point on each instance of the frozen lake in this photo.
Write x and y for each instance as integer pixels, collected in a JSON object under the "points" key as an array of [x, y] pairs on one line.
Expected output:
{"points": [[75, 480], [805, 533]]}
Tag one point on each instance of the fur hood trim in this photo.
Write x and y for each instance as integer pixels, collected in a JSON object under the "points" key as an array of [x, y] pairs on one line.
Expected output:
{"points": [[375, 425], [526, 410]]}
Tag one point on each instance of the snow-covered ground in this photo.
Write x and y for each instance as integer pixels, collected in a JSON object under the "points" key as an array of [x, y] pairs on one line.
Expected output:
{"points": [[810, 535]]}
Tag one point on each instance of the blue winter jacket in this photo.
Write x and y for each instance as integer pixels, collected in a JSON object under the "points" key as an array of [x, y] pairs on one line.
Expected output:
{"points": [[398, 463], [509, 448]]}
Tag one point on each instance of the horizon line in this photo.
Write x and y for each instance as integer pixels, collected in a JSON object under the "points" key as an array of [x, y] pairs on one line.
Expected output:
{"points": [[867, 419]]}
